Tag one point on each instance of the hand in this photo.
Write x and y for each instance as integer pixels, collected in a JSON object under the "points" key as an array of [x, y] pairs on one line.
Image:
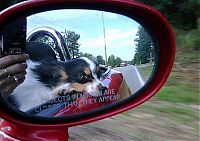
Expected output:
{"points": [[12, 72]]}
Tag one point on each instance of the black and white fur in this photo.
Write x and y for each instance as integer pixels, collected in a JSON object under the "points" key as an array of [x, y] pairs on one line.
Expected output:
{"points": [[46, 80]]}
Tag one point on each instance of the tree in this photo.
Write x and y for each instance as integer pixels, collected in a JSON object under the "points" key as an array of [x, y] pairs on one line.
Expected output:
{"points": [[46, 39], [118, 61], [71, 40], [182, 14], [114, 61], [144, 47], [100, 60], [111, 61], [88, 55]]}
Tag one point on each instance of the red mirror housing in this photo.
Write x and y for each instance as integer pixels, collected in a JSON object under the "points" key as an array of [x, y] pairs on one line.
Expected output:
{"points": [[143, 14]]}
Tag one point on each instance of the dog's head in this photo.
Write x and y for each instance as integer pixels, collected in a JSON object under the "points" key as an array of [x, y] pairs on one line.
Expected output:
{"points": [[78, 75], [84, 76]]}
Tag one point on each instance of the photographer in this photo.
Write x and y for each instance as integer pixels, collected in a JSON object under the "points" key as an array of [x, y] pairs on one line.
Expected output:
{"points": [[12, 71], [12, 67]]}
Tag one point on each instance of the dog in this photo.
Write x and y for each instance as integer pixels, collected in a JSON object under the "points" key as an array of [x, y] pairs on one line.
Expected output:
{"points": [[46, 80]]}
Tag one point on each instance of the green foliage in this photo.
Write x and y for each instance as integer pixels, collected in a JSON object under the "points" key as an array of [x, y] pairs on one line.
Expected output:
{"points": [[146, 71], [187, 40], [118, 61], [179, 112], [88, 55], [144, 47], [71, 40], [178, 91], [114, 61], [111, 61], [100, 60], [182, 14], [46, 39]]}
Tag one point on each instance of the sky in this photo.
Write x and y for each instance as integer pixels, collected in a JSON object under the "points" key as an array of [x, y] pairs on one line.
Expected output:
{"points": [[120, 31]]}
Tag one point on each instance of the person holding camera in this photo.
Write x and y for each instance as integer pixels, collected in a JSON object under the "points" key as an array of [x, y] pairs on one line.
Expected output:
{"points": [[12, 67], [12, 72]]}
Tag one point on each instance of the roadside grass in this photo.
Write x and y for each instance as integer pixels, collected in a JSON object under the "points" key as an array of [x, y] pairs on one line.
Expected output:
{"points": [[179, 91], [179, 99], [175, 101], [146, 71], [183, 57], [180, 113], [176, 105], [175, 90], [181, 96], [187, 40]]}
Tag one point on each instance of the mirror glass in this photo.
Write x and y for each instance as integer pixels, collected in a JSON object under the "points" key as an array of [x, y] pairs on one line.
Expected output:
{"points": [[80, 61]]}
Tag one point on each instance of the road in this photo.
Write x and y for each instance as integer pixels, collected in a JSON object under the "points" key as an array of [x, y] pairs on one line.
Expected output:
{"points": [[142, 124]]}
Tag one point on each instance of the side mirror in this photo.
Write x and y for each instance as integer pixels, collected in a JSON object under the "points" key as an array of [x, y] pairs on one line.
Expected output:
{"points": [[132, 44]]}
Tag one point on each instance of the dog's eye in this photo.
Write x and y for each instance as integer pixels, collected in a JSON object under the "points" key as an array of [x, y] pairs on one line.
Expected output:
{"points": [[81, 76], [84, 78]]}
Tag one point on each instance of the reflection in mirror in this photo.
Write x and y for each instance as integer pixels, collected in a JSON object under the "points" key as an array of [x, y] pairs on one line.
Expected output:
{"points": [[82, 60]]}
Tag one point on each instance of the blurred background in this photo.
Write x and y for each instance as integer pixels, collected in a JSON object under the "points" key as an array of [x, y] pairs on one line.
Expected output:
{"points": [[173, 114]]}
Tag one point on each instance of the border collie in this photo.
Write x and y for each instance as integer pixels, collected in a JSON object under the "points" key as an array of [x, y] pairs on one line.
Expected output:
{"points": [[46, 80]]}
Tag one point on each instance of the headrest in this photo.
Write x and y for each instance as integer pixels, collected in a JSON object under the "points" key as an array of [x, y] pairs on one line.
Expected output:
{"points": [[38, 51]]}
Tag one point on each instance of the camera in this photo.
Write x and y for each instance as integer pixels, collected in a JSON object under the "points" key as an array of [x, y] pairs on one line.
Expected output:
{"points": [[14, 37]]}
